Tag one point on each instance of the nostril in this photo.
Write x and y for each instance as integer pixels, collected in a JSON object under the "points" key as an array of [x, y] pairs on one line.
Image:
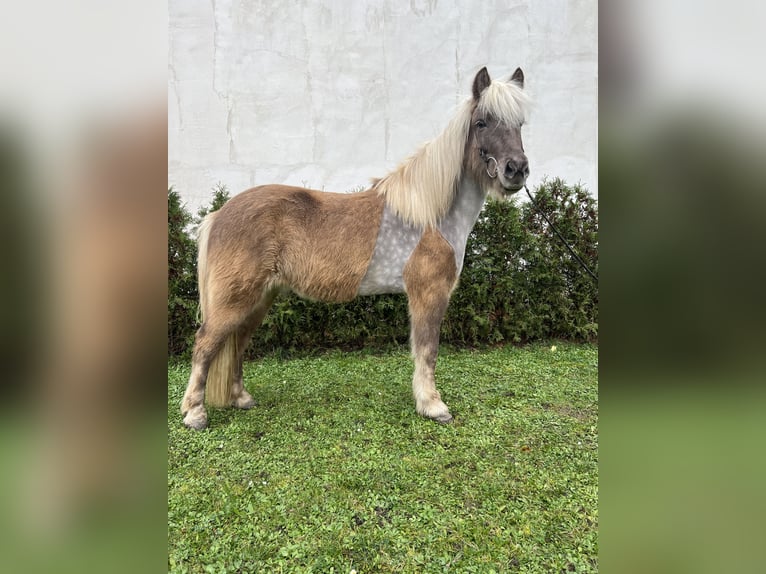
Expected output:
{"points": [[517, 167]]}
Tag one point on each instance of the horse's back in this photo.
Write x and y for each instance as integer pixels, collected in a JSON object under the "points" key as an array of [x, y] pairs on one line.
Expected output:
{"points": [[317, 243]]}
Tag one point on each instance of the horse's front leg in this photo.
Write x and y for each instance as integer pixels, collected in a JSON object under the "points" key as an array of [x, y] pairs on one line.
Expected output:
{"points": [[425, 348], [430, 276]]}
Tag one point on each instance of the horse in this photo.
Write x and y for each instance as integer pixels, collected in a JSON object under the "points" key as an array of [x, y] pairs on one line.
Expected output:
{"points": [[407, 234]]}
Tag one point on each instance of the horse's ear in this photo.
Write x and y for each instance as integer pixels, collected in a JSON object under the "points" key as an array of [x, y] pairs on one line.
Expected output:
{"points": [[518, 77], [480, 83]]}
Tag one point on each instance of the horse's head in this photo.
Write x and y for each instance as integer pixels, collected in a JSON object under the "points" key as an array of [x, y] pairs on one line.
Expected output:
{"points": [[494, 154]]}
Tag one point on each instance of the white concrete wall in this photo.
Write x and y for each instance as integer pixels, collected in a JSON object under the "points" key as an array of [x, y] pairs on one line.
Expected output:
{"points": [[329, 93]]}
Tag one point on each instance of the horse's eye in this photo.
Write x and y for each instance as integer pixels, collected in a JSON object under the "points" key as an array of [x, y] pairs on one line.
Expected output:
{"points": [[481, 124]]}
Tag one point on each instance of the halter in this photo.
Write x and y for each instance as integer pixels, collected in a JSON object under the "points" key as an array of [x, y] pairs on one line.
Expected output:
{"points": [[486, 159], [489, 173]]}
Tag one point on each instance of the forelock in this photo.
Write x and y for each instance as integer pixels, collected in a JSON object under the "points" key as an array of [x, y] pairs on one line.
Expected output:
{"points": [[506, 101]]}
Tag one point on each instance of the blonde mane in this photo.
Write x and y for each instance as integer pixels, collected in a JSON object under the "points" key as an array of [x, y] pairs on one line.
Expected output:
{"points": [[422, 188]]}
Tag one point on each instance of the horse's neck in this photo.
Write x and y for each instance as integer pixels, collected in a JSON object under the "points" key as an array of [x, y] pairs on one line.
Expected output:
{"points": [[462, 216]]}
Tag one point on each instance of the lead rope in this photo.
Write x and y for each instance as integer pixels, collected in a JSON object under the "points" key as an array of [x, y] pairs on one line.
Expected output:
{"points": [[556, 231], [486, 159]]}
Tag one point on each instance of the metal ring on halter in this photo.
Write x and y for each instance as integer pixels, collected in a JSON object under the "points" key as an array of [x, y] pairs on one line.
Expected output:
{"points": [[489, 173]]}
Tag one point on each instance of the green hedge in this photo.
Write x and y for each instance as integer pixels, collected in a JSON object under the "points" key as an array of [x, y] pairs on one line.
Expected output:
{"points": [[518, 284]]}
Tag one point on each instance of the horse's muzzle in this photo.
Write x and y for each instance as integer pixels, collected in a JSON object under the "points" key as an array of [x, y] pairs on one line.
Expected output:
{"points": [[515, 173], [516, 167]]}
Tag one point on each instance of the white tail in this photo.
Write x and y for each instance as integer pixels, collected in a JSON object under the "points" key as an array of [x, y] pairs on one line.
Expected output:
{"points": [[220, 376]]}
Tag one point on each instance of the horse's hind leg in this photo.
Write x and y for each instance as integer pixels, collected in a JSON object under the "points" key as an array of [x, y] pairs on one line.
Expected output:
{"points": [[240, 398], [429, 276], [208, 342]]}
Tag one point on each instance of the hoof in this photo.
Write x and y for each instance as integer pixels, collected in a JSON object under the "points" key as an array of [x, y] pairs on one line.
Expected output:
{"points": [[435, 410], [243, 401], [444, 419], [196, 425], [244, 405], [197, 422]]}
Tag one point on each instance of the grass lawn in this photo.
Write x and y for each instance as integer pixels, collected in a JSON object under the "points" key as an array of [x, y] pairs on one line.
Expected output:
{"points": [[333, 470]]}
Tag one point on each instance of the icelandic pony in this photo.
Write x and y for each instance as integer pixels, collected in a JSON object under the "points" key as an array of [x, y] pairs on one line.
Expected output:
{"points": [[407, 233]]}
